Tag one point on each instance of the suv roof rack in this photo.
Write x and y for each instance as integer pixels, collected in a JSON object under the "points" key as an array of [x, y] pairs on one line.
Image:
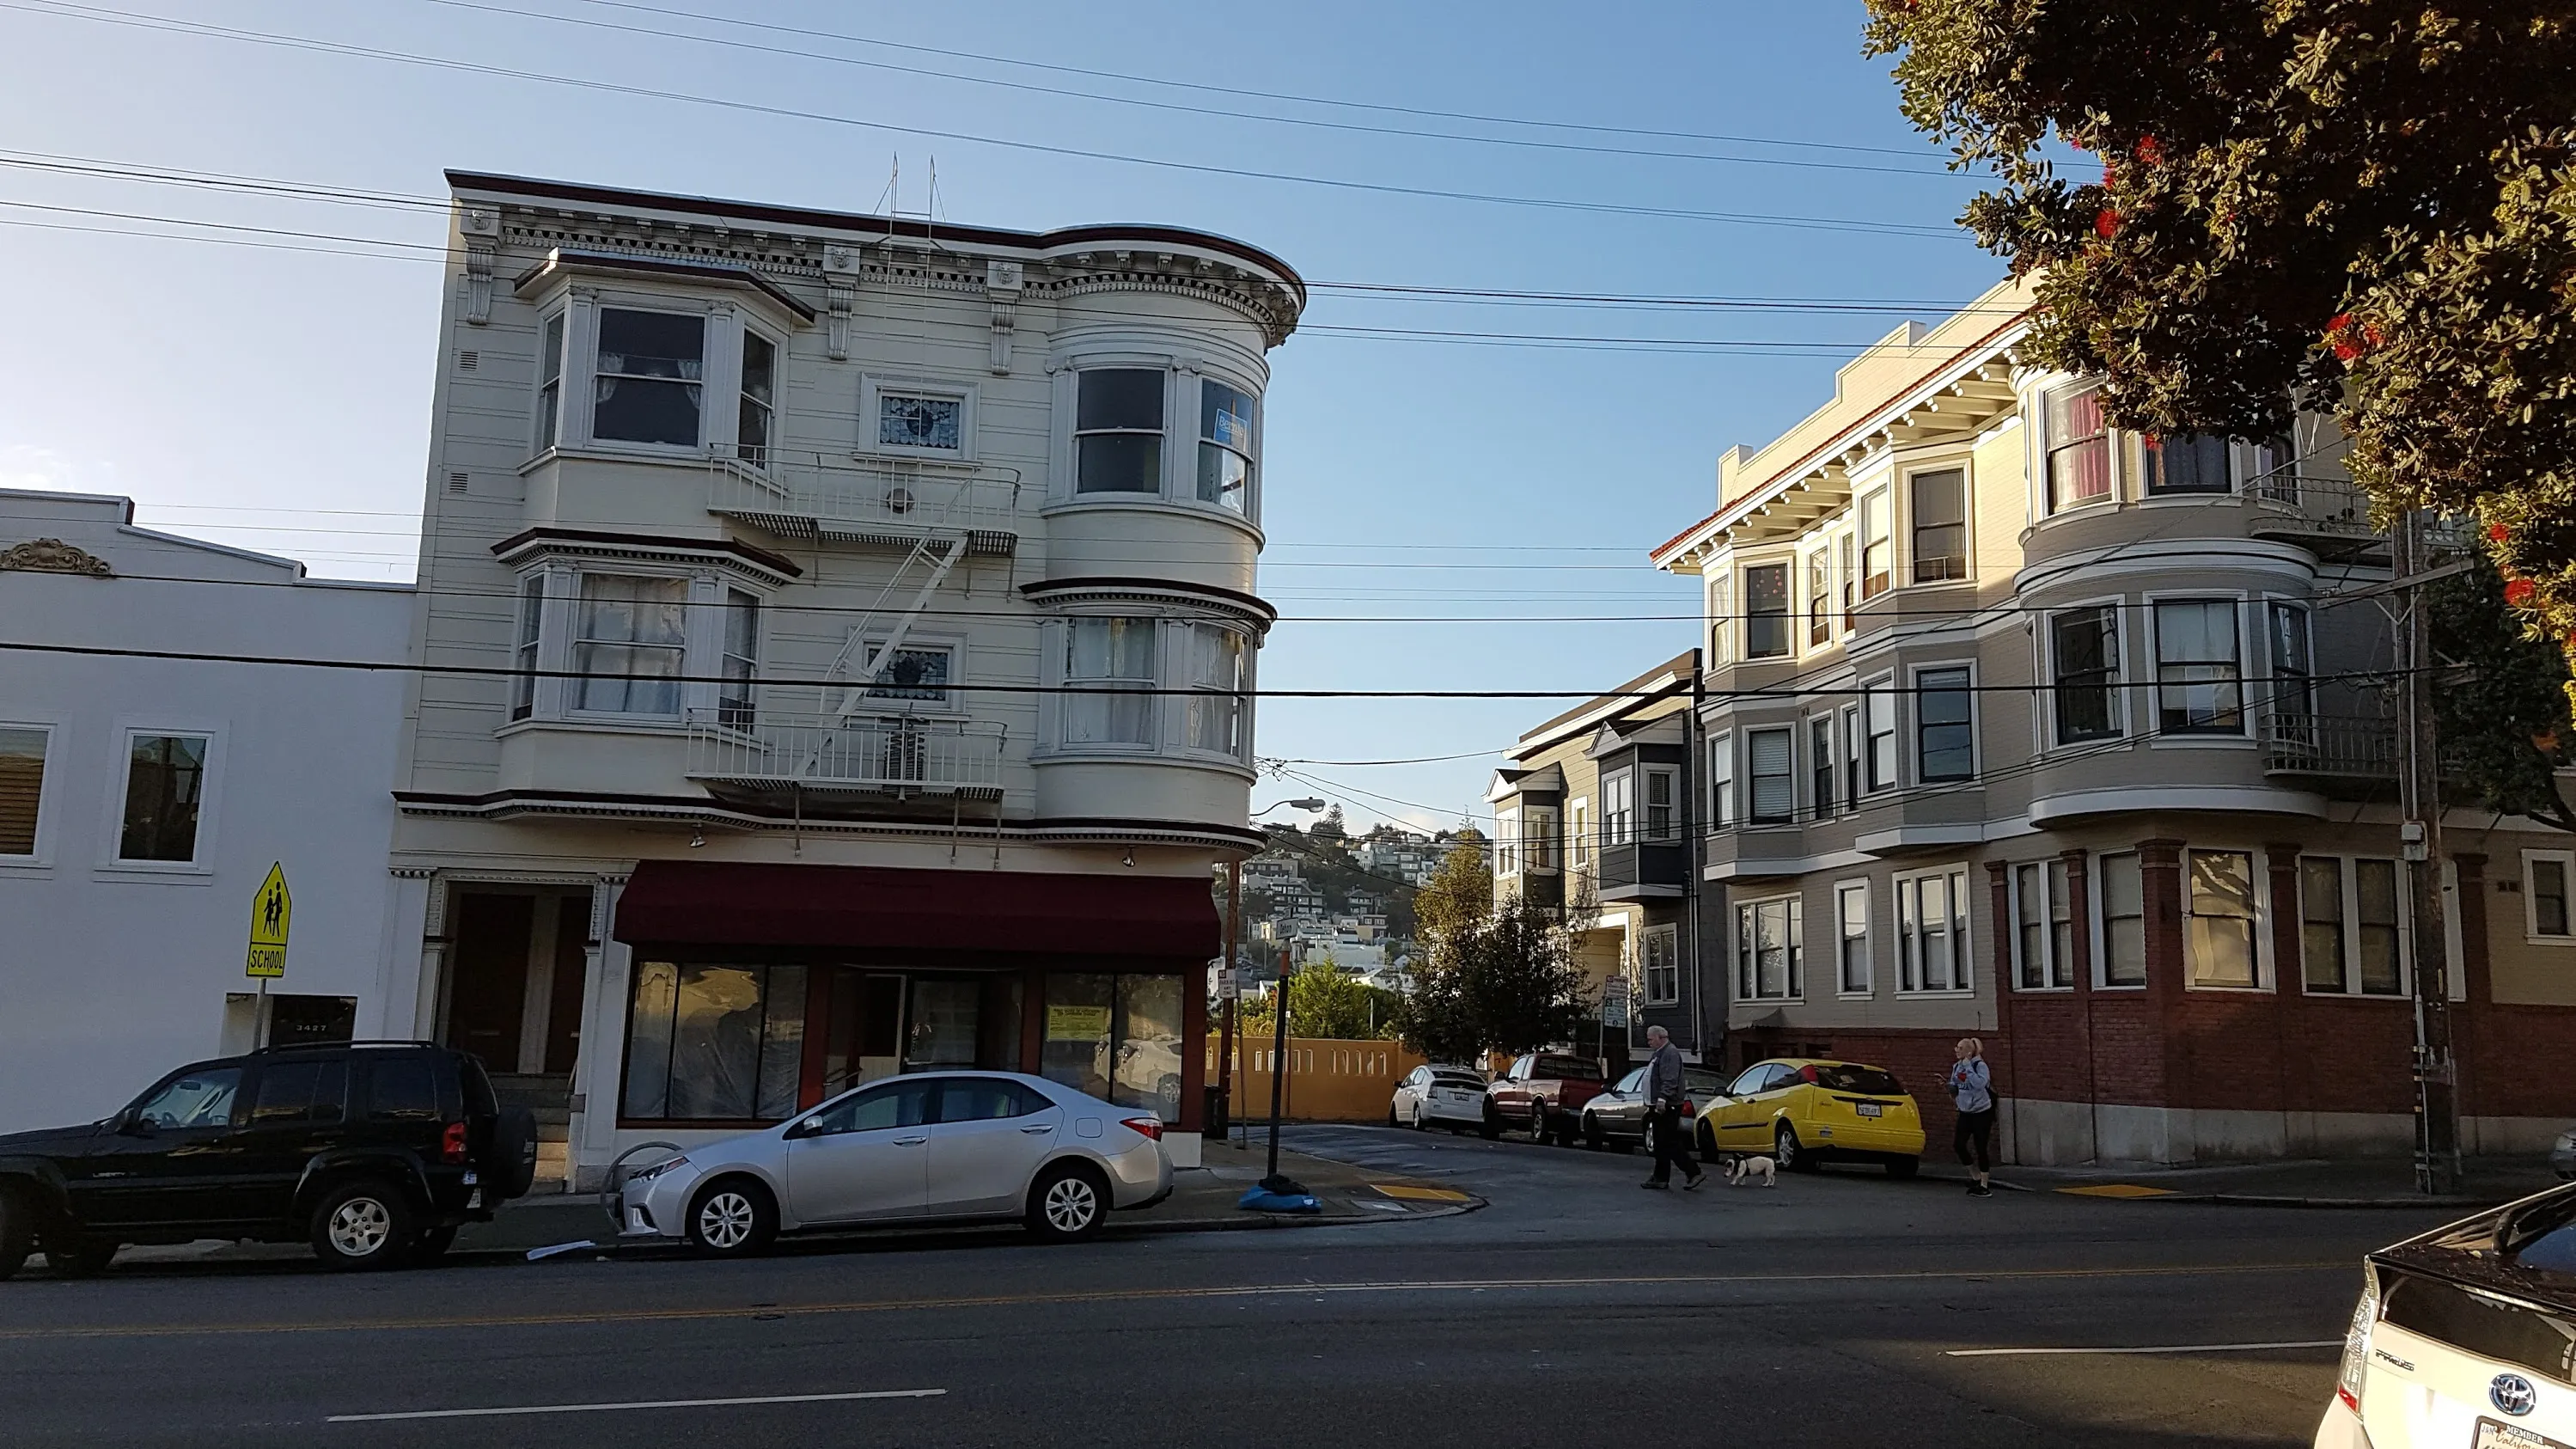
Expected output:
{"points": [[319, 1046]]}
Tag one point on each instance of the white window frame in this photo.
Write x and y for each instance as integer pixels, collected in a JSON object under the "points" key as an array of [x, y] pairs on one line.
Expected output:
{"points": [[1788, 776], [1199, 442], [1538, 839], [2234, 604], [1161, 492], [1844, 892], [1670, 778], [2099, 868], [1874, 519], [2048, 445], [546, 398], [1878, 695], [1823, 763], [1060, 666], [2348, 923], [1816, 567], [1722, 814], [875, 388], [48, 789], [775, 405], [1659, 954], [527, 644], [576, 677], [2117, 686], [2257, 923], [200, 863], [1721, 636], [1618, 808], [1185, 730], [1916, 695], [1910, 932], [2566, 861], [1578, 833], [1793, 966], [718, 374], [2054, 974], [1788, 614], [946, 704], [1914, 525], [1507, 841]]}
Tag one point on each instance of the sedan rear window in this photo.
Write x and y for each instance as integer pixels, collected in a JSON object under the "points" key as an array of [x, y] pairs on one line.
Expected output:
{"points": [[1846, 1077], [1696, 1081], [1458, 1079], [1565, 1069]]}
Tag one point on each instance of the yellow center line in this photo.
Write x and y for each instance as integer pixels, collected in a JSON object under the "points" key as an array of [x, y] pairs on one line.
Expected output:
{"points": [[1126, 1295]]}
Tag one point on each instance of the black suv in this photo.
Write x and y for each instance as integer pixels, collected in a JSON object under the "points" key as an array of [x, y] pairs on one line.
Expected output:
{"points": [[374, 1152]]}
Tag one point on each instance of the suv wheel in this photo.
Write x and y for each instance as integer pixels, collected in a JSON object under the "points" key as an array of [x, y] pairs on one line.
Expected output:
{"points": [[363, 1224], [17, 1231], [733, 1218], [1067, 1202], [79, 1258]]}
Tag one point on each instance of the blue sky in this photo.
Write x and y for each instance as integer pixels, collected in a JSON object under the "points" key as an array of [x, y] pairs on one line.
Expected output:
{"points": [[279, 399]]}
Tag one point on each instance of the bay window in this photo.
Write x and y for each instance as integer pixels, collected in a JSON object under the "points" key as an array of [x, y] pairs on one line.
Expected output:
{"points": [[1944, 727], [741, 662], [756, 418], [1118, 431], [550, 366], [1766, 611], [523, 653], [2219, 899], [1663, 788], [1619, 808], [2294, 687], [1217, 683], [1721, 634], [648, 377], [2185, 463], [1538, 838], [1820, 617], [1820, 764], [2079, 448], [1775, 794], [1878, 702], [1225, 445], [1877, 547], [2084, 658], [2197, 670], [1769, 965], [1932, 932], [1721, 781], [1940, 525], [1109, 663], [1507, 841], [630, 642]]}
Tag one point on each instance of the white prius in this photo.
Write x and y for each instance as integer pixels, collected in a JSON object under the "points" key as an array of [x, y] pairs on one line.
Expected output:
{"points": [[2465, 1337], [929, 1147]]}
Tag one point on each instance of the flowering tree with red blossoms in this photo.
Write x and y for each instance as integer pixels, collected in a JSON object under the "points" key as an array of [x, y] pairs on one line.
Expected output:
{"points": [[2361, 207]]}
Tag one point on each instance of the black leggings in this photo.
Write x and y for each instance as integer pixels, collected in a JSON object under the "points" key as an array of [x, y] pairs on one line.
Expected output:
{"points": [[1977, 1128]]}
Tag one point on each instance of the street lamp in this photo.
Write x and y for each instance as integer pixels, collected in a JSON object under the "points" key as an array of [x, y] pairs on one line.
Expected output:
{"points": [[1233, 941]]}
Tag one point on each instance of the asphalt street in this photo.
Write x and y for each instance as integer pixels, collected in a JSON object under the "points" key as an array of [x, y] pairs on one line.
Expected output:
{"points": [[1833, 1310]]}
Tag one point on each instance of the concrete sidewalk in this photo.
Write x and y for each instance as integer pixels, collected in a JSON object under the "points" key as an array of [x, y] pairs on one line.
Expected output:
{"points": [[2309, 1183]]}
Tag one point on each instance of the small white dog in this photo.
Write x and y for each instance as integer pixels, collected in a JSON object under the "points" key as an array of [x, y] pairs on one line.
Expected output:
{"points": [[1745, 1169]]}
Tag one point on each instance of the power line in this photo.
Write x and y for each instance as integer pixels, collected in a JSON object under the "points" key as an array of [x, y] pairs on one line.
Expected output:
{"points": [[63, 9], [1231, 114]]}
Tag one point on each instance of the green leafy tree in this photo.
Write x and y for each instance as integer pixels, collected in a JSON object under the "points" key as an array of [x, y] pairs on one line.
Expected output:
{"points": [[2367, 207], [1460, 892], [2502, 708], [1505, 981]]}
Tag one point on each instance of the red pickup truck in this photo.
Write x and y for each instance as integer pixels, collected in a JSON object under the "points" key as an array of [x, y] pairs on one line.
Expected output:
{"points": [[1543, 1094]]}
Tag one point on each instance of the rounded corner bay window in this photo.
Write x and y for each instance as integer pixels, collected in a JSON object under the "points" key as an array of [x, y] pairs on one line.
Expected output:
{"points": [[1118, 430], [1226, 448]]}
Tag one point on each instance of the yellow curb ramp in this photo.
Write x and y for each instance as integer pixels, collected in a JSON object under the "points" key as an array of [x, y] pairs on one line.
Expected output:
{"points": [[2117, 1189], [1418, 1194]]}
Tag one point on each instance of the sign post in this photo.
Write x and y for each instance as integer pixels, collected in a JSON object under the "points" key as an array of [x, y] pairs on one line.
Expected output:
{"points": [[272, 914]]}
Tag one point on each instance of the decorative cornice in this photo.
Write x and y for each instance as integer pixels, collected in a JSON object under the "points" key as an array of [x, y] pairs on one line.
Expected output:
{"points": [[682, 809], [608, 543], [53, 556], [1122, 587]]}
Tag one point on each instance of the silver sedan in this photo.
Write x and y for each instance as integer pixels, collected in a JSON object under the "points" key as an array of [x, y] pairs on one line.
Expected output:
{"points": [[935, 1146]]}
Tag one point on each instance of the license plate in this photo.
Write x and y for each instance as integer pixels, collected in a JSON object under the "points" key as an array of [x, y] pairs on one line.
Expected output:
{"points": [[2496, 1434], [1870, 1109]]}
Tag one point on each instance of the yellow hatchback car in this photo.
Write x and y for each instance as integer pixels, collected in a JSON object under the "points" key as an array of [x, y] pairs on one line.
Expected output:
{"points": [[1805, 1112]]}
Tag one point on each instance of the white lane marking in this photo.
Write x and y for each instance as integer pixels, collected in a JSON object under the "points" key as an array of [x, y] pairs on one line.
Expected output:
{"points": [[2167, 1348], [645, 1404]]}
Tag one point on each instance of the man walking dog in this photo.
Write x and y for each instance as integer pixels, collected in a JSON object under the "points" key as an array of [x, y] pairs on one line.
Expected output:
{"points": [[1664, 1101]]}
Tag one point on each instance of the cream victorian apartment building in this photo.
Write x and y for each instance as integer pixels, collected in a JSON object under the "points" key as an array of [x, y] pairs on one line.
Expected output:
{"points": [[836, 637], [2022, 726]]}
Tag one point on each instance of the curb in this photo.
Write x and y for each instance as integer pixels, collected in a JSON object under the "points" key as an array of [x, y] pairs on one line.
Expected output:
{"points": [[2267, 1200]]}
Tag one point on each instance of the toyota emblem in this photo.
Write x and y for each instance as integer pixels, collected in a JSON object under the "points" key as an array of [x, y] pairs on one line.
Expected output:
{"points": [[2513, 1394]]}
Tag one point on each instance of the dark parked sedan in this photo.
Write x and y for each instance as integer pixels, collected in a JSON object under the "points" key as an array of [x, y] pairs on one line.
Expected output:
{"points": [[1619, 1117]]}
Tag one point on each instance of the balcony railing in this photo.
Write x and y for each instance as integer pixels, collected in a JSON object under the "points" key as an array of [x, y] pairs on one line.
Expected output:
{"points": [[2351, 747], [2335, 508], [867, 755], [891, 502]]}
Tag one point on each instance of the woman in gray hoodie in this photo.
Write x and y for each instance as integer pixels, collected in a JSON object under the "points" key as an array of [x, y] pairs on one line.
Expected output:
{"points": [[1972, 1090]]}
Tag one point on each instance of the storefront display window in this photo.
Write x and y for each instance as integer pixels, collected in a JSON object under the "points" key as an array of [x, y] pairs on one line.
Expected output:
{"points": [[943, 1024], [1116, 1037], [714, 1042], [1079, 1008]]}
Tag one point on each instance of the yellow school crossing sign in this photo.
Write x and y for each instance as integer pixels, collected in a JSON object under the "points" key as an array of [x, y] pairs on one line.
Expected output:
{"points": [[271, 911]]}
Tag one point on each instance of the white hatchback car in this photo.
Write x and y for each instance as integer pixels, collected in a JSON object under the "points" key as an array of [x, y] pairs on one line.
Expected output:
{"points": [[932, 1146], [2465, 1337], [1452, 1097]]}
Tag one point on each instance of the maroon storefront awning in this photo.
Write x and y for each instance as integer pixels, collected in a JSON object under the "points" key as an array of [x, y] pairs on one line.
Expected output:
{"points": [[948, 912]]}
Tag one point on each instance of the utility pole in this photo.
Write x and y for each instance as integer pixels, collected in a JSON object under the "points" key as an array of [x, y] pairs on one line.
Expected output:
{"points": [[2437, 1109], [1274, 1183]]}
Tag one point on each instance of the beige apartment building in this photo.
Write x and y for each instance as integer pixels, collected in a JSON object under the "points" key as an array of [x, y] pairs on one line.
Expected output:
{"points": [[2022, 726], [1592, 817]]}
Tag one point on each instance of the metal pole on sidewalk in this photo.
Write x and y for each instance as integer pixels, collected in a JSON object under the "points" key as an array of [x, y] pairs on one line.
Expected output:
{"points": [[1229, 985], [2437, 1131], [1278, 1076]]}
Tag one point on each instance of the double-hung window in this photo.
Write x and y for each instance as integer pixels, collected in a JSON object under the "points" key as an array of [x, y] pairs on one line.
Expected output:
{"points": [[1766, 611], [1225, 445], [1660, 954], [2198, 676], [2186, 463], [2276, 469], [2124, 921], [1775, 793], [1721, 633], [1663, 789], [1768, 961], [2084, 668], [1507, 841], [2044, 926], [2349, 935], [1820, 601], [1538, 838], [1945, 732], [1877, 546], [1217, 683], [1932, 931], [630, 644], [1851, 911], [1940, 526], [647, 384], [2079, 448], [550, 366], [1578, 834], [1118, 431], [1845, 547], [2546, 878], [165, 790], [1109, 668], [22, 787], [523, 654], [1878, 701], [2220, 939], [1820, 764], [1619, 808], [2294, 673], [1852, 751], [741, 665], [1721, 781], [755, 423]]}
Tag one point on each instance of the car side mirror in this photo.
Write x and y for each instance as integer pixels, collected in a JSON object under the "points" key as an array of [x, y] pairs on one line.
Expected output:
{"points": [[810, 1127]]}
